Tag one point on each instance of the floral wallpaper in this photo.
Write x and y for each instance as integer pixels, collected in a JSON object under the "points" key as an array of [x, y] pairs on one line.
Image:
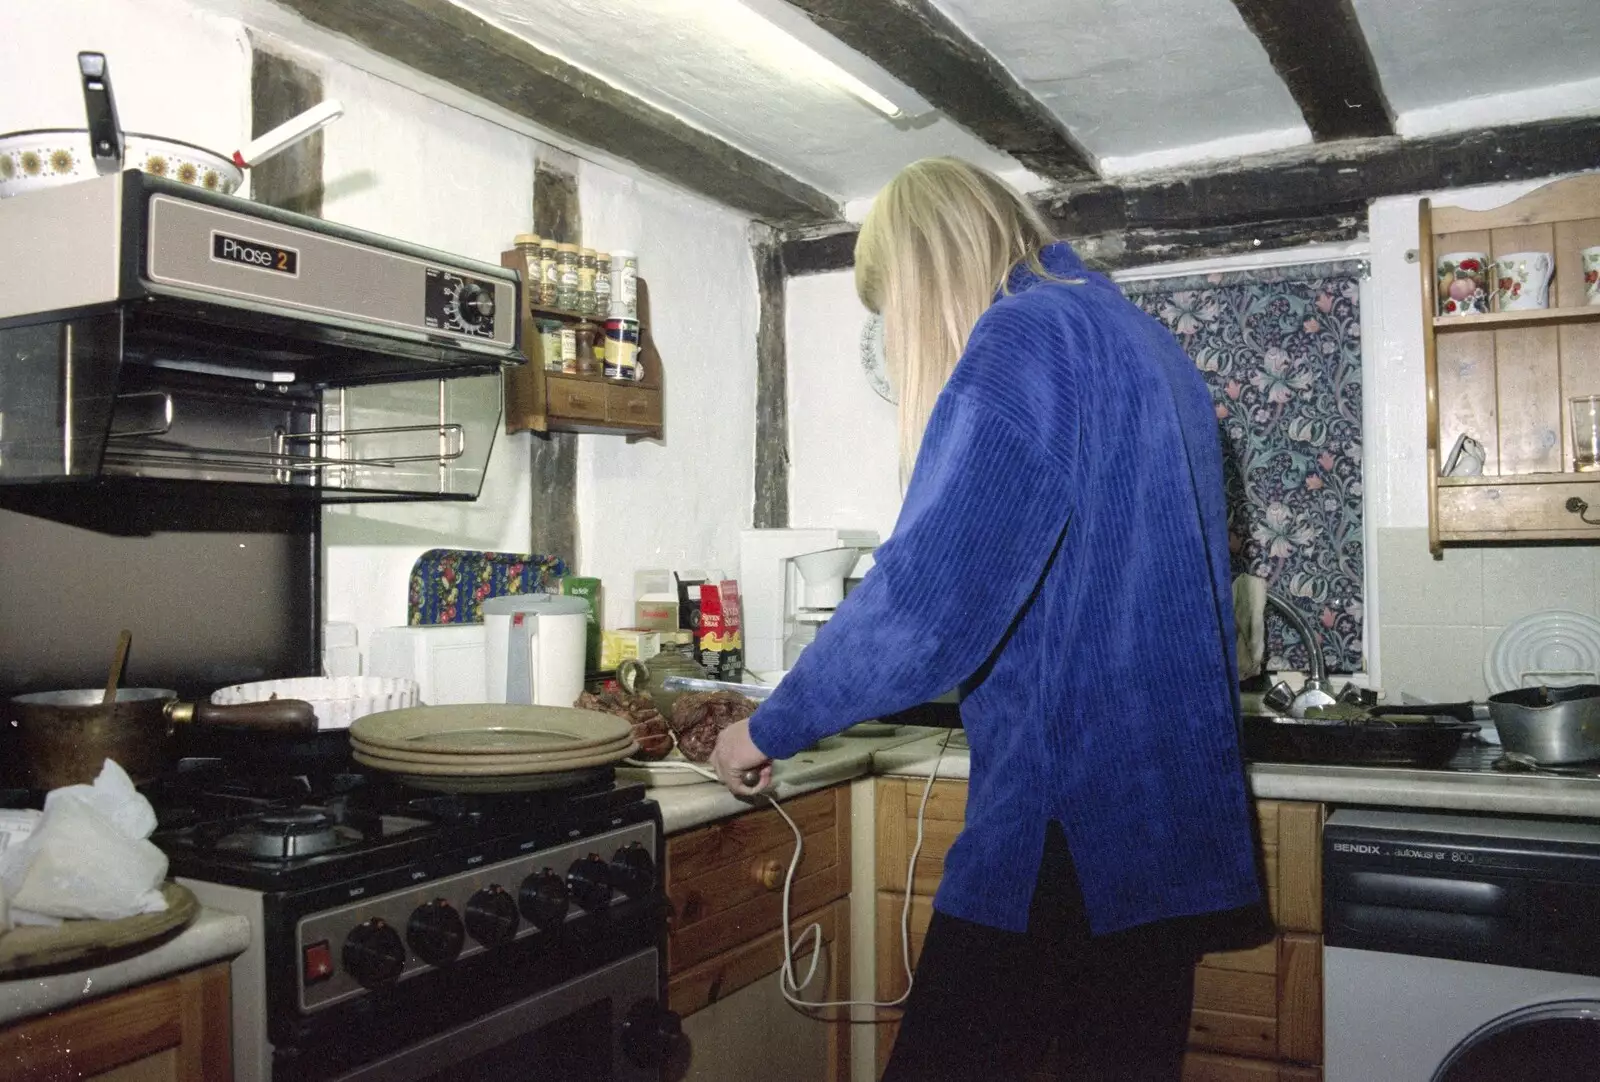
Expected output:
{"points": [[1281, 350]]}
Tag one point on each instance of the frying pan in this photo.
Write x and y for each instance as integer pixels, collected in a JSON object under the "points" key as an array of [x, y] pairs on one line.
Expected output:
{"points": [[1374, 742], [1548, 725], [62, 737], [47, 157]]}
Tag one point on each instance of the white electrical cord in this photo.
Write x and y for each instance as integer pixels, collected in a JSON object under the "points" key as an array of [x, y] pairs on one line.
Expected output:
{"points": [[787, 984]]}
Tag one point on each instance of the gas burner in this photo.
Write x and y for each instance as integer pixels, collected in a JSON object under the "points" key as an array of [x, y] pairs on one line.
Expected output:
{"points": [[285, 835]]}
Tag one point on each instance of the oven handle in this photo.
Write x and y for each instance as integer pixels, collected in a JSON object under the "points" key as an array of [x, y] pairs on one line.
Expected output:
{"points": [[626, 983]]}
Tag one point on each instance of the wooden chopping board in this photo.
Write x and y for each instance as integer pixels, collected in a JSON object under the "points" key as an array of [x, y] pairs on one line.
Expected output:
{"points": [[82, 944]]}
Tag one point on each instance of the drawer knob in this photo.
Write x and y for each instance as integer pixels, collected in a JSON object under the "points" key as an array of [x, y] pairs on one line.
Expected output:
{"points": [[769, 873], [1581, 509]]}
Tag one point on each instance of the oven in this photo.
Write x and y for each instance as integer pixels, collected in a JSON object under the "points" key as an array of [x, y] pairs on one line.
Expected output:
{"points": [[441, 937], [590, 1029]]}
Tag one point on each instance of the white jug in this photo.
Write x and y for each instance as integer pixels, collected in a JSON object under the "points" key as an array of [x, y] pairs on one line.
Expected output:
{"points": [[537, 644]]}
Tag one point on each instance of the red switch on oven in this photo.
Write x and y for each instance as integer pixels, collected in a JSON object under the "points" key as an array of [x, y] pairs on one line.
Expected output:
{"points": [[319, 962]]}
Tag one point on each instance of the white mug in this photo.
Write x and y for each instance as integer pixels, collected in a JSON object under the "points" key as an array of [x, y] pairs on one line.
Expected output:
{"points": [[1522, 281], [1591, 274]]}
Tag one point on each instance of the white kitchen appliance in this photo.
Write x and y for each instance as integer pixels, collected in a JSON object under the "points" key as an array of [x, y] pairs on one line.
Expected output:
{"points": [[536, 649], [1459, 948], [448, 661], [774, 589]]}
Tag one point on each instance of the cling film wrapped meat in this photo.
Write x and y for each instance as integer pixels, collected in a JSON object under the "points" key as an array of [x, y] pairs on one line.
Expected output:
{"points": [[699, 716], [650, 730]]}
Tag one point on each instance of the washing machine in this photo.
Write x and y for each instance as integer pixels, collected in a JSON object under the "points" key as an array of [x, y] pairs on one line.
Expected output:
{"points": [[1460, 949]]}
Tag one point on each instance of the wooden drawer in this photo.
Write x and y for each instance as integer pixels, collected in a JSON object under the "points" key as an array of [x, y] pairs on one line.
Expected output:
{"points": [[1489, 511], [173, 1030], [725, 880], [897, 803], [1208, 1067], [575, 398], [638, 406]]}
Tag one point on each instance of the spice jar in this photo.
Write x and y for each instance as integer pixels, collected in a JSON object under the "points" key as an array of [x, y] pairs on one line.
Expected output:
{"points": [[587, 333], [549, 273], [624, 285], [527, 246], [549, 343], [569, 349], [602, 285], [567, 277], [586, 273], [622, 349]]}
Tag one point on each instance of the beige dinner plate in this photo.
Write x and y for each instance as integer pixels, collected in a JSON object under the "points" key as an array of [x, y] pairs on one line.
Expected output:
{"points": [[489, 728], [406, 755], [511, 783], [468, 768]]}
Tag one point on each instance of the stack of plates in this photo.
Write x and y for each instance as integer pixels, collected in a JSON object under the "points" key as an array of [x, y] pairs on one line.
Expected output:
{"points": [[483, 747]]}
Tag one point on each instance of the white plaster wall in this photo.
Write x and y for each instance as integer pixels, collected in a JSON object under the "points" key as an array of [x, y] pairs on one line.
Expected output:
{"points": [[679, 503], [843, 451], [175, 70], [403, 165]]}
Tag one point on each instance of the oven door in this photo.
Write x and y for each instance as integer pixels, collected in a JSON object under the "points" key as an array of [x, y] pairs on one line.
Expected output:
{"points": [[605, 1026]]}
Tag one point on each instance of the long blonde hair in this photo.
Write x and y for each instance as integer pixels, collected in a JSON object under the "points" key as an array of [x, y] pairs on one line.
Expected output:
{"points": [[941, 238]]}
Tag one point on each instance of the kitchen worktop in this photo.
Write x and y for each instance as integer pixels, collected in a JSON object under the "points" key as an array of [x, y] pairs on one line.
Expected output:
{"points": [[834, 760], [213, 936], [1513, 794]]}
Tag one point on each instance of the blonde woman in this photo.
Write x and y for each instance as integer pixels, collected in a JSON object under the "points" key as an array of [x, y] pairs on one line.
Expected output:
{"points": [[1062, 557]]}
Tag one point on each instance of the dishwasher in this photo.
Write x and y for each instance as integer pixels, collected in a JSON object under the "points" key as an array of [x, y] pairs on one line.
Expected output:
{"points": [[1460, 948]]}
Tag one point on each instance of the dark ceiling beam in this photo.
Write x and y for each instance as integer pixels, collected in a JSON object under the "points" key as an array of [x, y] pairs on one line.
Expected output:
{"points": [[1318, 49], [1308, 185], [919, 45], [450, 43]]}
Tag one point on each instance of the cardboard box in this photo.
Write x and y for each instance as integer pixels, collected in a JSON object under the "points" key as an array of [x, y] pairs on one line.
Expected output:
{"points": [[588, 590], [628, 642], [656, 612]]}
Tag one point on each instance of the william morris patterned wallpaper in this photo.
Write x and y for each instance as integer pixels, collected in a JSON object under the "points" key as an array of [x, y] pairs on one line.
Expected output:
{"points": [[1281, 350]]}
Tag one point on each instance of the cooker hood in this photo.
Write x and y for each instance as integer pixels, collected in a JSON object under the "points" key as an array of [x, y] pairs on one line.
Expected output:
{"points": [[153, 333]]}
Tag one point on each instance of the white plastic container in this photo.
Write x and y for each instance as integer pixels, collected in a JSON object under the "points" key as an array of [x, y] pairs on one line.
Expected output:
{"points": [[448, 661]]}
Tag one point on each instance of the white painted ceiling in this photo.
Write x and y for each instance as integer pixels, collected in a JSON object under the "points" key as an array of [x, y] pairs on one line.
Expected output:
{"points": [[719, 66], [1141, 84], [1450, 64], [1135, 78]]}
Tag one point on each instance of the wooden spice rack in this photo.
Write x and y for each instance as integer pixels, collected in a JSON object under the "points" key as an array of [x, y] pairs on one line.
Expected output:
{"points": [[541, 401], [1505, 378]]}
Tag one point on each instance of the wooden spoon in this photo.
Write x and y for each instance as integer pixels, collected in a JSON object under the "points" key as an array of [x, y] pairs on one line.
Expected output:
{"points": [[115, 677]]}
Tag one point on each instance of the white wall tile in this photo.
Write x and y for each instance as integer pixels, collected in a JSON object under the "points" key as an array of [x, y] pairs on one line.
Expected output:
{"points": [[1420, 590], [1438, 663], [1519, 581]]}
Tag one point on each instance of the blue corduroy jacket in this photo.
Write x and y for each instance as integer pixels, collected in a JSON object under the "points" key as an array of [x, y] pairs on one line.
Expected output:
{"points": [[1062, 556]]}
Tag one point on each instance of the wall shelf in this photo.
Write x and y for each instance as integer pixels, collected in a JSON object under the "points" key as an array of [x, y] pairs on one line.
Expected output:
{"points": [[1505, 378], [1539, 318], [539, 400]]}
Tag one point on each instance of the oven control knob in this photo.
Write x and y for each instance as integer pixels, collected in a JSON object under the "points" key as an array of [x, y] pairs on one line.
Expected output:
{"points": [[435, 932], [543, 900], [650, 1034], [589, 880], [491, 916], [373, 953], [474, 305], [633, 871]]}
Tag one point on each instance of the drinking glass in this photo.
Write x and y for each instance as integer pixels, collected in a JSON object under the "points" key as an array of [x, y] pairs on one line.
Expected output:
{"points": [[1586, 433]]}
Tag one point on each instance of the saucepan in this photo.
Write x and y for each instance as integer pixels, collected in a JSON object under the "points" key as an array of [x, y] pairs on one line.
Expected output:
{"points": [[45, 158], [62, 737]]}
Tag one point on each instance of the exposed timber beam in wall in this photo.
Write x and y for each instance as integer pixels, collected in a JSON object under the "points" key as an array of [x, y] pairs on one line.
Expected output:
{"points": [[1264, 196], [772, 378], [450, 43], [919, 45], [1318, 49]]}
